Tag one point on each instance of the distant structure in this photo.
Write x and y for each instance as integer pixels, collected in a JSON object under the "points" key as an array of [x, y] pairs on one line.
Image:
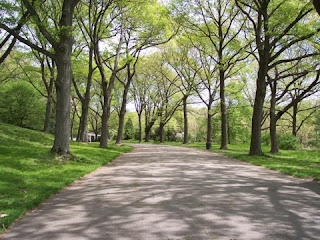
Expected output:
{"points": [[92, 137]]}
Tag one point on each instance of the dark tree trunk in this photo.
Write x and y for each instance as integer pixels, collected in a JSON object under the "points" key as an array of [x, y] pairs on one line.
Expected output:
{"points": [[224, 127], [185, 120], [72, 124], [83, 135], [161, 130], [140, 127], [273, 119], [294, 119], [209, 126], [255, 145], [63, 91], [63, 83], [105, 117], [316, 4]]}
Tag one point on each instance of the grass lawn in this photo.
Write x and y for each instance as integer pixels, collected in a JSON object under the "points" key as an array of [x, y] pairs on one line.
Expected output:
{"points": [[302, 163], [29, 174]]}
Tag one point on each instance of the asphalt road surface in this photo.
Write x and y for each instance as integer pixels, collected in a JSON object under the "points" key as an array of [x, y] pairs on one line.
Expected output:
{"points": [[173, 193]]}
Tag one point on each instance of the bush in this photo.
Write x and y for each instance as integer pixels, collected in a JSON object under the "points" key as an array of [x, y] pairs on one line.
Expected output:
{"points": [[129, 130], [288, 142], [21, 105], [265, 139]]}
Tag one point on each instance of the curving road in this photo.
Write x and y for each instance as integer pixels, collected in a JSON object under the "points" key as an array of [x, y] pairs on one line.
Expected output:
{"points": [[173, 193]]}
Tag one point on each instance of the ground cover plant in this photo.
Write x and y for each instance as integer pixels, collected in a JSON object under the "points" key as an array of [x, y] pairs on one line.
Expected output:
{"points": [[29, 174]]}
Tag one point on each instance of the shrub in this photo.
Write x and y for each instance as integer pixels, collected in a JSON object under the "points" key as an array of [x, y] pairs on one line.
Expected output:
{"points": [[288, 142], [265, 139], [21, 105]]}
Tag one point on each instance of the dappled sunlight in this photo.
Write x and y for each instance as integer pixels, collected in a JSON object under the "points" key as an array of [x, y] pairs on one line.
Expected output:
{"points": [[162, 192]]}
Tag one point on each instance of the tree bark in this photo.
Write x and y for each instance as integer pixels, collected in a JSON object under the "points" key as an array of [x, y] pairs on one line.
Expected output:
{"points": [[140, 127], [185, 120], [63, 91], [255, 145], [294, 119], [124, 105], [273, 119], [161, 130], [209, 126], [49, 102], [224, 127]]}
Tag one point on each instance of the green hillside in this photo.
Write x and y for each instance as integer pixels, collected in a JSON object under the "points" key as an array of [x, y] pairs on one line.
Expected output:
{"points": [[29, 174]]}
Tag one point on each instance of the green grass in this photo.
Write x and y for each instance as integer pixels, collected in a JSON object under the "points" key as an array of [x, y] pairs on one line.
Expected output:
{"points": [[302, 163], [29, 174]]}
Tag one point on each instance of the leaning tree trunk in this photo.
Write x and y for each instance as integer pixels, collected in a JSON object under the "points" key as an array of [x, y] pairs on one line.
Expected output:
{"points": [[273, 120], [161, 130], [224, 127], [83, 135], [255, 145], [185, 120]]}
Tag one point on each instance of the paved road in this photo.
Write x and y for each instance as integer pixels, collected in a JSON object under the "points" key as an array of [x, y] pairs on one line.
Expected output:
{"points": [[171, 193]]}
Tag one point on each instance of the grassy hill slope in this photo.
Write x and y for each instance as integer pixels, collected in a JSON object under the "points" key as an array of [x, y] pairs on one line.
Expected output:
{"points": [[29, 174]]}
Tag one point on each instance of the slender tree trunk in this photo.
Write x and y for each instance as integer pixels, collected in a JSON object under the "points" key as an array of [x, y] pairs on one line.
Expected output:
{"points": [[105, 119], [273, 120], [255, 146], [224, 127], [83, 133], [140, 127], [107, 91], [294, 119], [209, 126], [185, 119], [123, 106], [161, 129], [49, 102], [48, 114]]}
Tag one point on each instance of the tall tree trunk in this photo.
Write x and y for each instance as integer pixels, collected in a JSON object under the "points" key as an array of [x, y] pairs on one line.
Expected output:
{"points": [[63, 91], [107, 90], [209, 126], [273, 119], [294, 119], [185, 120], [121, 116], [224, 127], [105, 117], [140, 127], [63, 82], [83, 134], [161, 130], [255, 145]]}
